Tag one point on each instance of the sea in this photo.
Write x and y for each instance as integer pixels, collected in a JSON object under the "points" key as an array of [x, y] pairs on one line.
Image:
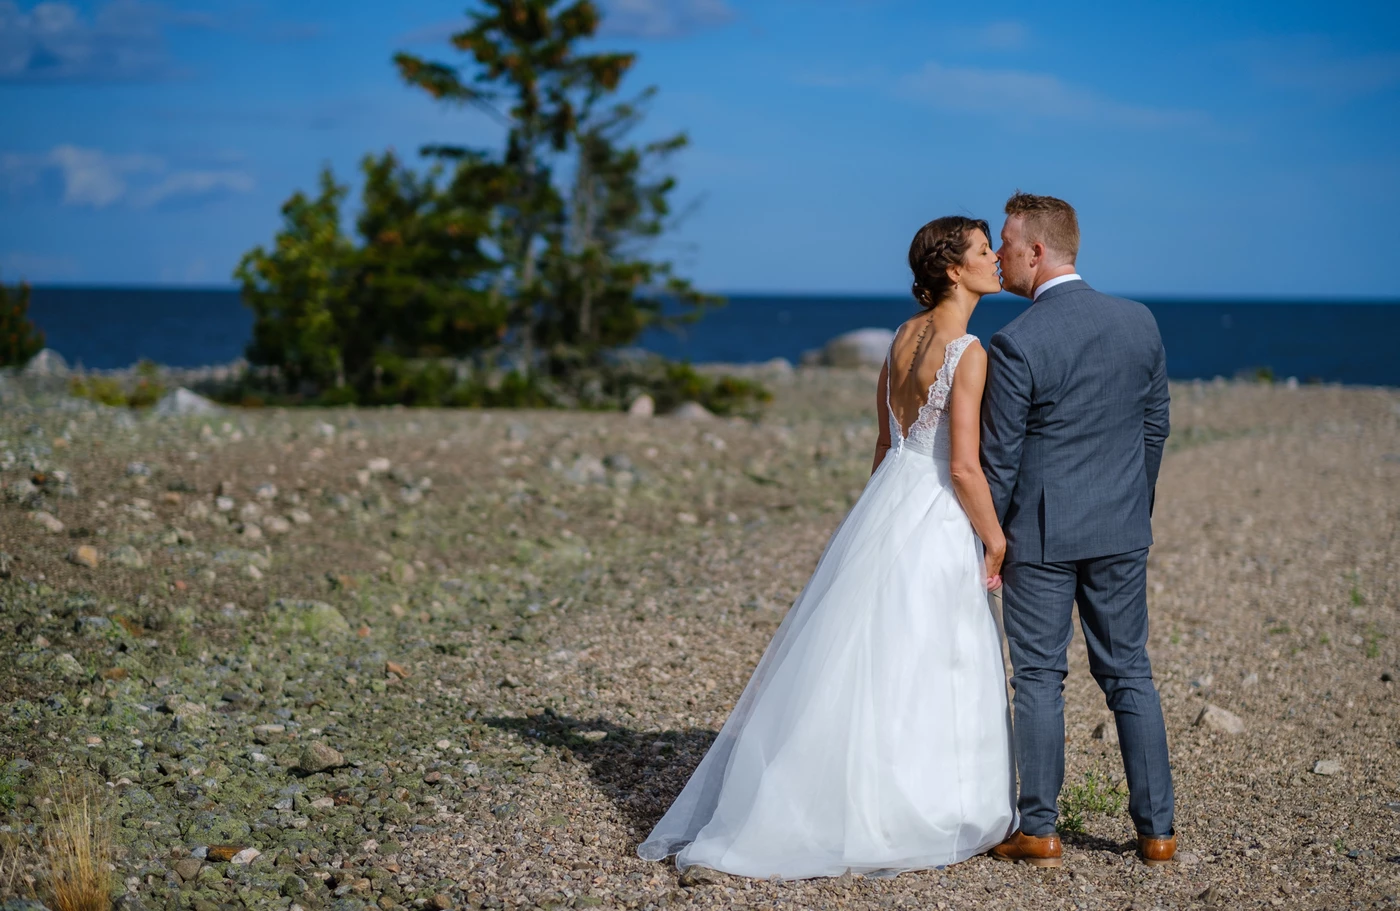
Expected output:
{"points": [[1355, 343]]}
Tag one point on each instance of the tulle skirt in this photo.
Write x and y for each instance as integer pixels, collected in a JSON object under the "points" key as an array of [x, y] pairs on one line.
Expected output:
{"points": [[874, 735]]}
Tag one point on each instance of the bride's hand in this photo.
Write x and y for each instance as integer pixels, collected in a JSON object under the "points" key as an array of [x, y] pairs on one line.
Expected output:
{"points": [[995, 553]]}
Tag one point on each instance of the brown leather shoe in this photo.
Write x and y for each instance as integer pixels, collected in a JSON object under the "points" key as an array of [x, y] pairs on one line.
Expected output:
{"points": [[1156, 851], [1038, 851]]}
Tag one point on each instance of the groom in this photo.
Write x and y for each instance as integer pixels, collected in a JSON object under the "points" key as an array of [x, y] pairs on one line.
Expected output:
{"points": [[1073, 422]]}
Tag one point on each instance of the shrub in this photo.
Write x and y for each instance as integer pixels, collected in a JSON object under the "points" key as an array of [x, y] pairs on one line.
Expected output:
{"points": [[19, 339]]}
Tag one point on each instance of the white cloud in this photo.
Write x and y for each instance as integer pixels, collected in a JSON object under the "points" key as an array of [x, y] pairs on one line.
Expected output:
{"points": [[193, 183], [663, 18], [95, 179], [55, 41], [1022, 94], [122, 40]]}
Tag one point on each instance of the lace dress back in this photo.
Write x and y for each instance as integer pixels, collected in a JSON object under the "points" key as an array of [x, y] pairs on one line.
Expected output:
{"points": [[928, 434]]}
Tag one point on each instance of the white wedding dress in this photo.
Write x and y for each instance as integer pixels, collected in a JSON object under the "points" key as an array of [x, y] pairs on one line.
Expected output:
{"points": [[874, 736]]}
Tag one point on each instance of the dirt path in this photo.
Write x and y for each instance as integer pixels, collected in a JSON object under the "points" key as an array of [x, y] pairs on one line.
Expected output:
{"points": [[522, 631]]}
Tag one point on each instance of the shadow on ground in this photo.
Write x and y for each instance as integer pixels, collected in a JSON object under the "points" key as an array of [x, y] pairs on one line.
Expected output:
{"points": [[639, 772]]}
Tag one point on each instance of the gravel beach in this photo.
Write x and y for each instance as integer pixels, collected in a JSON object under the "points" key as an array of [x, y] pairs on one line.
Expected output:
{"points": [[348, 659]]}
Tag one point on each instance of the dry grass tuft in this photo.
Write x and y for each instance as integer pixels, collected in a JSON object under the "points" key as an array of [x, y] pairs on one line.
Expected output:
{"points": [[13, 881], [77, 850]]}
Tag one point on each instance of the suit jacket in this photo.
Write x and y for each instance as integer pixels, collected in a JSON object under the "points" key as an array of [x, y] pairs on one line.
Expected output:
{"points": [[1074, 418]]}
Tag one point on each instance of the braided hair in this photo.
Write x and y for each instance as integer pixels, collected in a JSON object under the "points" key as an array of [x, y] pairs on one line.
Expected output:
{"points": [[940, 244]]}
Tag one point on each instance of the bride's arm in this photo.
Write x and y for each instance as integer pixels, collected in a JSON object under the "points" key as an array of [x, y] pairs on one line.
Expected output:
{"points": [[965, 427], [882, 413]]}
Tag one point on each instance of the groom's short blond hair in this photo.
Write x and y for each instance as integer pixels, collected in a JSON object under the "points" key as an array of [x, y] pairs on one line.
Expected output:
{"points": [[1047, 220]]}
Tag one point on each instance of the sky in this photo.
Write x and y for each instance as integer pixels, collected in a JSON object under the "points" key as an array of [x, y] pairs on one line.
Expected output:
{"points": [[1248, 149]]}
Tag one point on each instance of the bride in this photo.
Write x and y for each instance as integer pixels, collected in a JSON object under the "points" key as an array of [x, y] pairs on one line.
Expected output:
{"points": [[874, 735]]}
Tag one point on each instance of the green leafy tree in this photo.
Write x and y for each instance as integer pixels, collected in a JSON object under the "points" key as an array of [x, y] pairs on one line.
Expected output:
{"points": [[524, 265], [19, 339], [334, 314], [297, 292], [572, 262]]}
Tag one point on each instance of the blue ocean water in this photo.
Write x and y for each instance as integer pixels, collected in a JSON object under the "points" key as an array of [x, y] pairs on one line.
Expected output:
{"points": [[1352, 343]]}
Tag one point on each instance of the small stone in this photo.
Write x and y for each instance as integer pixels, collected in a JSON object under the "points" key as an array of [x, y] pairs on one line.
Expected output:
{"points": [[223, 853], [85, 555], [224, 504], [317, 757], [1218, 719], [300, 517], [182, 401], [245, 857], [378, 466], [1187, 858], [692, 411], [593, 736], [252, 572], [398, 670], [700, 876], [643, 406], [687, 518], [1327, 767], [187, 868], [265, 492], [443, 744], [276, 525], [1107, 731], [50, 523], [441, 902], [268, 733], [68, 667], [1250, 679], [127, 556]]}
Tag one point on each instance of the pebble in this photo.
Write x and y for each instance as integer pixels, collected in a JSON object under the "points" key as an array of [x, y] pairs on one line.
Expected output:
{"points": [[692, 411], [223, 853], [188, 868], [1327, 767], [1218, 719], [643, 406], [127, 556], [317, 757], [1107, 731], [50, 522], [245, 857], [84, 555]]}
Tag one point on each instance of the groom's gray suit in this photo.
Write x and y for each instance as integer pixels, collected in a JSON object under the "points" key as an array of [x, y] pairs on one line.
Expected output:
{"points": [[1073, 423]]}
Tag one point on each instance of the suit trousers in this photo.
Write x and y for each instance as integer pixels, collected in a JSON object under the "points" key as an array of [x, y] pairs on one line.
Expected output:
{"points": [[1037, 602]]}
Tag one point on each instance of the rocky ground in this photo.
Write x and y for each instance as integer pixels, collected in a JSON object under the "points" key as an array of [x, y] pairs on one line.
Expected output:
{"points": [[345, 659]]}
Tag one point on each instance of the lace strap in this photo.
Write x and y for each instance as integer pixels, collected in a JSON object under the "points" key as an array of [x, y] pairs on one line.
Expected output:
{"points": [[953, 353]]}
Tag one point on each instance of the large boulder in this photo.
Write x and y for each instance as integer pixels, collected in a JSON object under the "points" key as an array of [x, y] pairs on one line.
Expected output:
{"points": [[858, 348], [182, 401], [47, 362]]}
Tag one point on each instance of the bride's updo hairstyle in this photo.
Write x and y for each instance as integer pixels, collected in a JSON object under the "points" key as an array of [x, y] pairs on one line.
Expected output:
{"points": [[940, 244]]}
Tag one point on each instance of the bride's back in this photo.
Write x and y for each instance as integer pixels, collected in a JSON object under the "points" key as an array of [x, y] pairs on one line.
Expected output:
{"points": [[916, 357]]}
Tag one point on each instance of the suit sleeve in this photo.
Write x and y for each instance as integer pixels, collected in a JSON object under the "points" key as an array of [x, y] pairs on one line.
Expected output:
{"points": [[1005, 405], [1156, 424]]}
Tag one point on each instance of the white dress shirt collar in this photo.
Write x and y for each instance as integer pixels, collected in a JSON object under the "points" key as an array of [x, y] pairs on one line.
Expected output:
{"points": [[1057, 280]]}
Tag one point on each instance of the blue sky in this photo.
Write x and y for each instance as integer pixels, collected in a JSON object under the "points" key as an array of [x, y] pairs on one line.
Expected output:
{"points": [[1250, 148]]}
